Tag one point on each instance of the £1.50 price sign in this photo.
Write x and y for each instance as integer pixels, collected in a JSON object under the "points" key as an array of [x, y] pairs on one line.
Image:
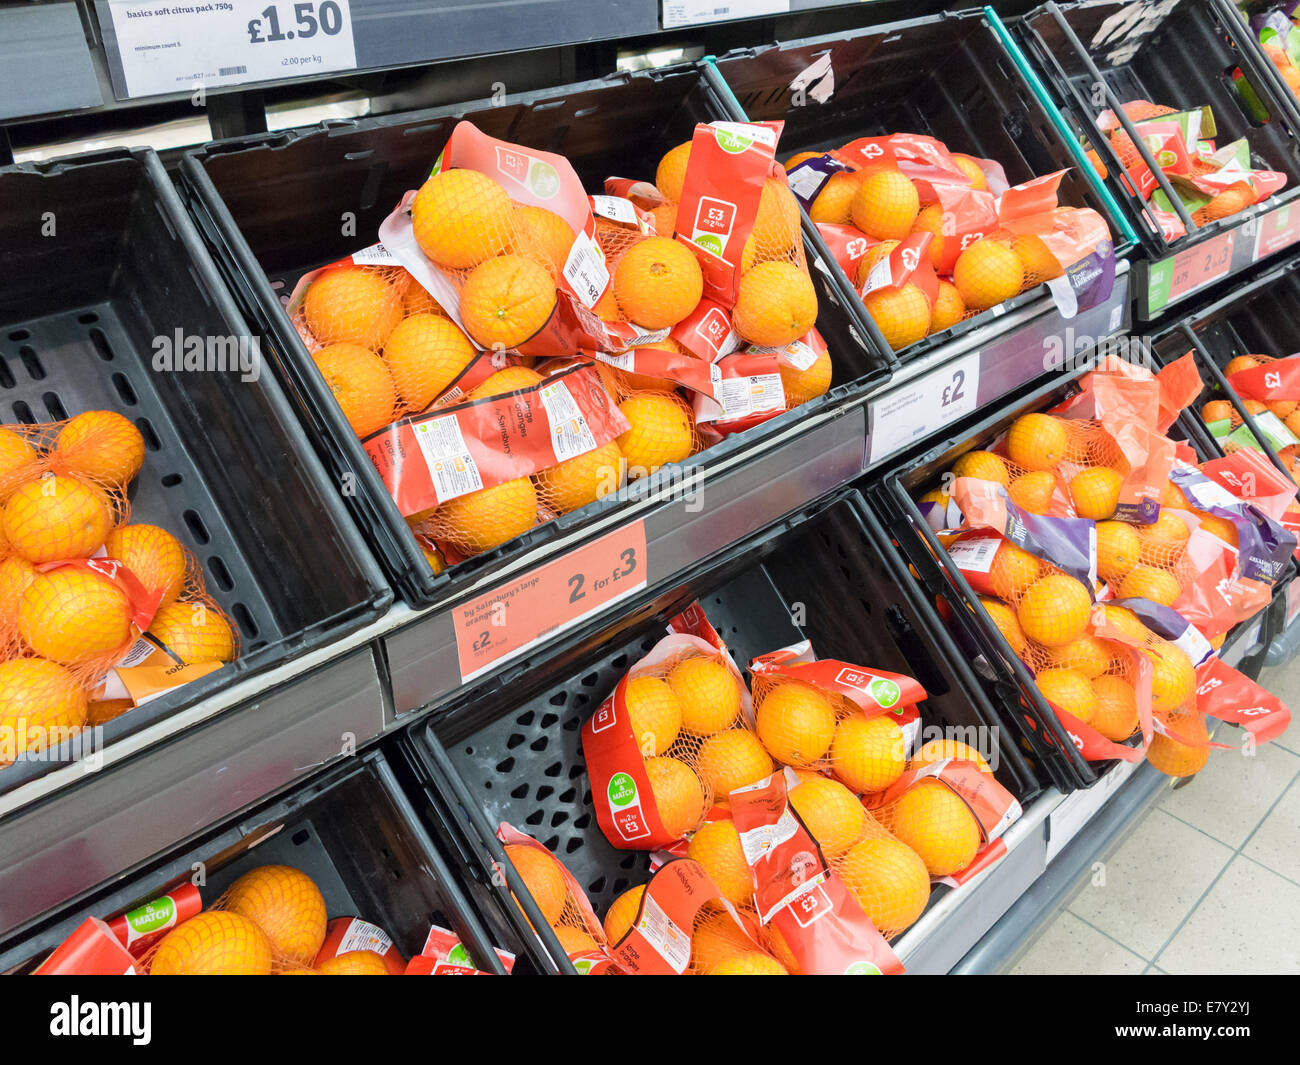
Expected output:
{"points": [[516, 616], [171, 46]]}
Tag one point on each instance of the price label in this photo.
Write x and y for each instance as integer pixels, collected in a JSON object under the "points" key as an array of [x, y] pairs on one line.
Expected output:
{"points": [[694, 12], [917, 408], [1172, 279], [168, 46], [1278, 229], [1079, 807], [515, 617]]}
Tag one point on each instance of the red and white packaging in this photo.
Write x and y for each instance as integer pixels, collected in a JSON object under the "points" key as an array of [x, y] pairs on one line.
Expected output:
{"points": [[430, 458], [142, 927], [92, 950], [346, 934], [1231, 696], [747, 391], [995, 809], [873, 691], [443, 954], [822, 925]]}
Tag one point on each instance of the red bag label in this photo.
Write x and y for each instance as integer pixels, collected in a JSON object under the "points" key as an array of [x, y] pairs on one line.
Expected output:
{"points": [[874, 691]]}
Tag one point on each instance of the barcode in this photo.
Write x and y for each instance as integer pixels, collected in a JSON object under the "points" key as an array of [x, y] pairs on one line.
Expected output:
{"points": [[570, 434], [226, 72]]}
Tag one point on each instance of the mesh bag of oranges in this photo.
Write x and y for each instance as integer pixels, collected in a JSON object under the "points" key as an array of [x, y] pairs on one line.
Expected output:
{"points": [[940, 236], [444, 954], [560, 900], [1270, 391], [671, 738], [823, 714], [96, 613]]}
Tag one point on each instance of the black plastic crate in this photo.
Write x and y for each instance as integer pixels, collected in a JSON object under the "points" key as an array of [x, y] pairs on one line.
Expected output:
{"points": [[1007, 681], [270, 206], [98, 261], [1261, 317], [352, 830], [517, 757], [946, 76], [1182, 55]]}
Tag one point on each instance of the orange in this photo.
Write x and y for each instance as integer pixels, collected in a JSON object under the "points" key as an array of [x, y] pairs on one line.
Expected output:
{"points": [[16, 573], [802, 385], [930, 220], [987, 273], [716, 937], [461, 218], [662, 431], [55, 518], [889, 880], [1033, 491], [1173, 678], [949, 308], [299, 972], [670, 175], [511, 379], [1087, 655], [834, 202], [942, 750], [868, 754], [506, 300], [776, 224], [1095, 492], [354, 963], [17, 457], [885, 205], [73, 616], [418, 300], [1118, 550], [832, 814], [1236, 197], [352, 305], [1036, 259], [1125, 620], [194, 631], [573, 940], [1115, 715], [361, 385], [582, 479], [1172, 496], [1220, 527], [432, 556], [934, 822], [795, 722], [748, 963], [775, 304], [1283, 408], [654, 714], [1007, 622], [1037, 441], [873, 255], [901, 314], [543, 235], [1254, 407], [1068, 690], [665, 219], [424, 355], [102, 446], [716, 846], [776, 945], [39, 702], [1178, 759], [214, 943], [1241, 362], [1148, 582], [800, 157], [286, 905], [153, 555], [1014, 569], [1219, 410], [1163, 540], [1054, 610], [731, 760], [972, 170], [479, 521], [678, 795], [983, 466], [709, 694], [621, 915], [658, 283], [542, 877]]}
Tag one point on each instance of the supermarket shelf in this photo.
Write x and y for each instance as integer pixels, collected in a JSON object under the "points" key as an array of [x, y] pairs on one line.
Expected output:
{"points": [[983, 366], [46, 62]]}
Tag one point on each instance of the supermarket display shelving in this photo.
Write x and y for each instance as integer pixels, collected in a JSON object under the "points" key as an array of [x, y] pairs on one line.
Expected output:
{"points": [[70, 836], [1180, 56]]}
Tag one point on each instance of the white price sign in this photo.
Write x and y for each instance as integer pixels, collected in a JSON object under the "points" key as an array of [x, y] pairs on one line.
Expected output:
{"points": [[169, 46], [916, 408], [693, 12]]}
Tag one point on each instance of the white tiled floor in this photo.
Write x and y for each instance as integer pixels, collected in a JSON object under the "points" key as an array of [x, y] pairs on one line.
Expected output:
{"points": [[1208, 882]]}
